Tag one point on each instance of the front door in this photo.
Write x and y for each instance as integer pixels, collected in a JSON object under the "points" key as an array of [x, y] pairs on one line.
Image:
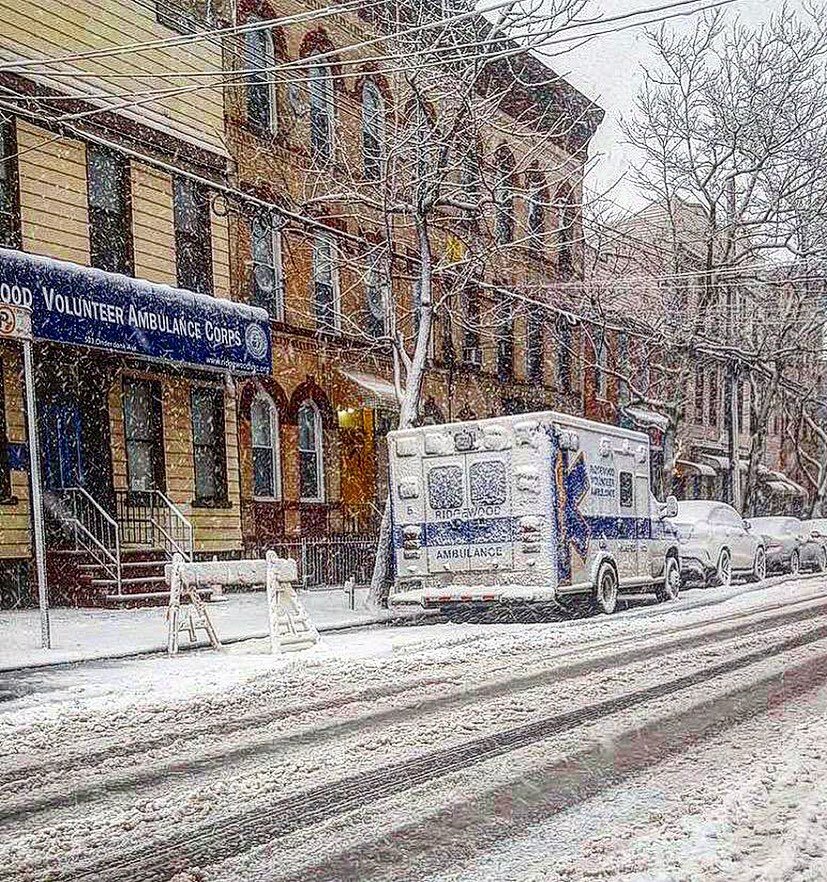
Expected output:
{"points": [[63, 446]]}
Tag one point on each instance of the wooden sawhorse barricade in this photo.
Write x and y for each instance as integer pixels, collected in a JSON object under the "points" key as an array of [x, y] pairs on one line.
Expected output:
{"points": [[290, 625]]}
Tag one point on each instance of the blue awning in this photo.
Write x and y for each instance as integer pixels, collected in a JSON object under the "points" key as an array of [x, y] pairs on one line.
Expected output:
{"points": [[89, 307]]}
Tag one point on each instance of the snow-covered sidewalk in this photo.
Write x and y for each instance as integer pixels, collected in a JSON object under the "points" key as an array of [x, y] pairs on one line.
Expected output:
{"points": [[85, 634]]}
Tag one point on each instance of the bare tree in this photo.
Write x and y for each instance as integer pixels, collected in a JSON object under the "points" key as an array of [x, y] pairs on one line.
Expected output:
{"points": [[458, 123]]}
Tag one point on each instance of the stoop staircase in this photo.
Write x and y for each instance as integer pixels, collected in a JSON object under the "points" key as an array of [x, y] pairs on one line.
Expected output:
{"points": [[115, 558]]}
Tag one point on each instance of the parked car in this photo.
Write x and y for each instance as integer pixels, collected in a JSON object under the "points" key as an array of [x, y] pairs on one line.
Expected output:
{"points": [[716, 544], [791, 545]]}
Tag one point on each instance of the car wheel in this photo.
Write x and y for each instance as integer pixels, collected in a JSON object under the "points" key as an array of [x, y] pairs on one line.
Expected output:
{"points": [[795, 564], [723, 575], [671, 587], [759, 567], [605, 590]]}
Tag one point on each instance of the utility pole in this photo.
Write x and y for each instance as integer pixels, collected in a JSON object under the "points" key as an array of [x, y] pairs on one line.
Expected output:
{"points": [[732, 489]]}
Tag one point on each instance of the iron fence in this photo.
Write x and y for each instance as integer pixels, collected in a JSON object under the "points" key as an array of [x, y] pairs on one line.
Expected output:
{"points": [[328, 561]]}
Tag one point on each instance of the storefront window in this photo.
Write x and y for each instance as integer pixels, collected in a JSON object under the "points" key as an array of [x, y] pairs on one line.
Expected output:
{"points": [[144, 434], [110, 221], [264, 426], [311, 480], [208, 445], [193, 243]]}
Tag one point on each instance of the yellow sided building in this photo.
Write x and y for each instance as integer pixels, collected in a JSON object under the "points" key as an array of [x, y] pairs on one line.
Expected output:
{"points": [[114, 231]]}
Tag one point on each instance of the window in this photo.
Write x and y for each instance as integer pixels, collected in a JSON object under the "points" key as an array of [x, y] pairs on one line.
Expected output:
{"points": [[259, 61], [193, 242], [699, 395], [184, 16], [740, 407], [445, 487], [373, 130], [321, 110], [564, 354], [601, 376], [505, 345], [325, 285], [627, 490], [9, 192], [311, 473], [208, 445], [110, 216], [623, 368], [487, 483], [471, 350], [143, 431], [567, 232], [712, 413], [267, 276], [264, 430], [534, 345], [5, 471], [536, 212], [470, 180], [503, 200], [377, 294]]}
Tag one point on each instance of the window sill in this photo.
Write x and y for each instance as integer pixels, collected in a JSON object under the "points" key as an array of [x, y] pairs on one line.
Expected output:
{"points": [[212, 503], [267, 499], [312, 501]]}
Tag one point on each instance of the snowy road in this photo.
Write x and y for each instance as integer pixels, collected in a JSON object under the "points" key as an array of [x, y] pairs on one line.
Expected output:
{"points": [[439, 753]]}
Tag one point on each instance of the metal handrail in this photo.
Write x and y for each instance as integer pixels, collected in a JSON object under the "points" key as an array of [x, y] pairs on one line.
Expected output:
{"points": [[187, 549], [84, 525]]}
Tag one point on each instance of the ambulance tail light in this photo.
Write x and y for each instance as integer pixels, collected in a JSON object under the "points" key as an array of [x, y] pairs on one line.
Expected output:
{"points": [[531, 534], [411, 540]]}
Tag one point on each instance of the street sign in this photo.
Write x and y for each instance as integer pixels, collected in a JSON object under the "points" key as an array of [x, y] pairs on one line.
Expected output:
{"points": [[15, 322]]}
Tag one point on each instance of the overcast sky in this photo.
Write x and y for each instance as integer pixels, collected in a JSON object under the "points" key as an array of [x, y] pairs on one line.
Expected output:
{"points": [[608, 71]]}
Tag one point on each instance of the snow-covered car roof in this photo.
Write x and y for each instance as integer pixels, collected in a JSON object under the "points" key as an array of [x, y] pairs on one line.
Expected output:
{"points": [[696, 509], [776, 525]]}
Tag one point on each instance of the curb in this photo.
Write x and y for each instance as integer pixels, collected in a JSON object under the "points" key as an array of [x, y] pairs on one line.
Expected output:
{"points": [[191, 647]]}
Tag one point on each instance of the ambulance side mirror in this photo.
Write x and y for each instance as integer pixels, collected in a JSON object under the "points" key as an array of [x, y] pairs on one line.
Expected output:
{"points": [[669, 509]]}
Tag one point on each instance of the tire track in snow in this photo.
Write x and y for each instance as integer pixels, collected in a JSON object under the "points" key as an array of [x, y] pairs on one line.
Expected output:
{"points": [[119, 781], [12, 771], [201, 846]]}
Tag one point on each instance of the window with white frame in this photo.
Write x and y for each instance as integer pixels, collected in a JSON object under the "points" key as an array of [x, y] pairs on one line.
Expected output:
{"points": [[267, 275], [259, 62], [373, 130], [264, 430], [326, 284], [321, 109], [311, 467]]}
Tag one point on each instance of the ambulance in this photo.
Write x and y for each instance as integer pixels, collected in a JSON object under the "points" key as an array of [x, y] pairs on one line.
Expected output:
{"points": [[540, 508]]}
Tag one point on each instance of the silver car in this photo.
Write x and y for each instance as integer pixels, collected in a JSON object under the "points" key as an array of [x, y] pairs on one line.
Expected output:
{"points": [[716, 544], [791, 545]]}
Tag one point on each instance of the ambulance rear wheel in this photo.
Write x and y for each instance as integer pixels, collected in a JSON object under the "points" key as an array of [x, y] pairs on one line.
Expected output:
{"points": [[605, 590], [671, 587]]}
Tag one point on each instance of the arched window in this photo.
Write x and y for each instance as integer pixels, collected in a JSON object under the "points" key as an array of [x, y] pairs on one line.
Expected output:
{"points": [[536, 211], [264, 431], [373, 130], [321, 108], [311, 467], [259, 60], [503, 197]]}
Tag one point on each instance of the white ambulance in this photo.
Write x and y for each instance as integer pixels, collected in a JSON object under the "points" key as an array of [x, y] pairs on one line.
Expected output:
{"points": [[535, 508]]}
